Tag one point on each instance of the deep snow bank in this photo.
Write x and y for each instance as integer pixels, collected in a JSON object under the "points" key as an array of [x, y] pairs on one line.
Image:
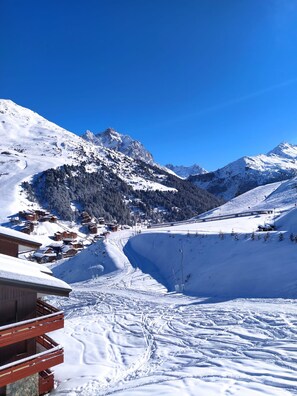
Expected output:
{"points": [[98, 259], [211, 266]]}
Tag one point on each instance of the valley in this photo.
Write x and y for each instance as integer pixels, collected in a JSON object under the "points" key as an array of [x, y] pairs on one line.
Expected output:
{"points": [[175, 292]]}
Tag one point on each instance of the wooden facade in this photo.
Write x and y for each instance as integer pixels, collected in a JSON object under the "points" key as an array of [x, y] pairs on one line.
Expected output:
{"points": [[12, 245], [26, 352], [25, 349], [65, 235]]}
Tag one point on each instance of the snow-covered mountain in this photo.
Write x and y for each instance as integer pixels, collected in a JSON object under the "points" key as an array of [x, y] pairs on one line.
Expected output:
{"points": [[31, 145], [123, 143], [186, 171], [249, 172]]}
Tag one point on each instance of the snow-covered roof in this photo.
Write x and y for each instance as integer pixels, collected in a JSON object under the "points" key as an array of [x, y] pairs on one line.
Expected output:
{"points": [[66, 248], [20, 236], [44, 254], [12, 261], [21, 273]]}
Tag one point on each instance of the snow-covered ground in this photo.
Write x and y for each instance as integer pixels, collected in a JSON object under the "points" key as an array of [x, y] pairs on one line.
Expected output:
{"points": [[125, 334], [139, 342], [194, 309]]}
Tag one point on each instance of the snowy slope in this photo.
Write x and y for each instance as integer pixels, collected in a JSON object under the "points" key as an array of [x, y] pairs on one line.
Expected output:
{"points": [[30, 144], [280, 196], [249, 172], [123, 143], [136, 339]]}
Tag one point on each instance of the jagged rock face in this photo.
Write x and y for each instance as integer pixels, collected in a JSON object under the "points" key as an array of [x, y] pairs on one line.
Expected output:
{"points": [[185, 171], [123, 143], [249, 172]]}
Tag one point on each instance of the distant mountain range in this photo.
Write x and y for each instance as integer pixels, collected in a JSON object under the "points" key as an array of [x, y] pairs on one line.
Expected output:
{"points": [[249, 172], [133, 148], [43, 163], [31, 145], [186, 171]]}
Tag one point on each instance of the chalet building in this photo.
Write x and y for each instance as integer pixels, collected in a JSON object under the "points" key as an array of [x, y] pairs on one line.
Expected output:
{"points": [[66, 236], [77, 245], [14, 242], [45, 255], [50, 218], [26, 352], [38, 214], [68, 251], [85, 218], [93, 228], [41, 213], [26, 230], [29, 215], [28, 227], [113, 227]]}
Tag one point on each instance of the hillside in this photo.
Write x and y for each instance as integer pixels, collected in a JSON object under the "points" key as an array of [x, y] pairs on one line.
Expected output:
{"points": [[249, 172], [32, 145], [103, 194]]}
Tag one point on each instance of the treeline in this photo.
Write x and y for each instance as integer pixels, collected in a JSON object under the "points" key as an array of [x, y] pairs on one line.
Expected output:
{"points": [[104, 194]]}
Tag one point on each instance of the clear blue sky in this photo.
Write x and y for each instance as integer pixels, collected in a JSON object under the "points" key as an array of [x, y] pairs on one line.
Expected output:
{"points": [[204, 81]]}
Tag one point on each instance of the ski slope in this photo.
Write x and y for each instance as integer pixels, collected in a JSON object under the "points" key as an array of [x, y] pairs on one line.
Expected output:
{"points": [[125, 334]]}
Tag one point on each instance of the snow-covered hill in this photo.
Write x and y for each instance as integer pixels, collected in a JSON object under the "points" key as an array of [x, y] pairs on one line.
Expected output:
{"points": [[272, 196], [123, 143], [249, 172], [186, 171], [30, 144]]}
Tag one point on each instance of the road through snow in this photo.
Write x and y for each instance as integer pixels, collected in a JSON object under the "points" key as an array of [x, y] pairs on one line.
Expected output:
{"points": [[125, 335]]}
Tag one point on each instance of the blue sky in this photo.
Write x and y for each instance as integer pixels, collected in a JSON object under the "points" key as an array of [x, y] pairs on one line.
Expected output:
{"points": [[195, 81]]}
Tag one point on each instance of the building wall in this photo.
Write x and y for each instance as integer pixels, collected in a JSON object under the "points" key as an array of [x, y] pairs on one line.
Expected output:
{"points": [[8, 247], [25, 387], [16, 304]]}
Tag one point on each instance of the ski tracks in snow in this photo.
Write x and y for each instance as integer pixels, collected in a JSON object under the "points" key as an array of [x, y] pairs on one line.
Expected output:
{"points": [[128, 337]]}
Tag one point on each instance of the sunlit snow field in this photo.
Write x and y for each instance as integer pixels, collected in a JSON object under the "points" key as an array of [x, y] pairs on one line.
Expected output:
{"points": [[125, 334]]}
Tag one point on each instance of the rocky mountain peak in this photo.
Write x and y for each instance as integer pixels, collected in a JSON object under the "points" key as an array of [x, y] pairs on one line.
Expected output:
{"points": [[285, 150], [185, 171], [114, 140]]}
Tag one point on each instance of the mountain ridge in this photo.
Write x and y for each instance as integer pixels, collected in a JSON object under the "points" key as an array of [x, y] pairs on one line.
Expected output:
{"points": [[249, 172], [116, 141], [32, 145], [186, 171]]}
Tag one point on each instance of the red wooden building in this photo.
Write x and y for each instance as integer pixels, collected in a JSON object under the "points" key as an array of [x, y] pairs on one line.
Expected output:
{"points": [[26, 352]]}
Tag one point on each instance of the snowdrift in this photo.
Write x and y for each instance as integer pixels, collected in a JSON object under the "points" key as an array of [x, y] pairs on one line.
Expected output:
{"points": [[96, 260], [219, 266]]}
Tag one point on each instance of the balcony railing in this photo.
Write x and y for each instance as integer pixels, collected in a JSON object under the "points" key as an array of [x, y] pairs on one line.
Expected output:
{"points": [[46, 381], [33, 364], [48, 319]]}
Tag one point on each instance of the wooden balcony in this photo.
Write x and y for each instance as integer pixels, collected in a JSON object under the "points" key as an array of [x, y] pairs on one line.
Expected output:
{"points": [[46, 381], [48, 319], [51, 355]]}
